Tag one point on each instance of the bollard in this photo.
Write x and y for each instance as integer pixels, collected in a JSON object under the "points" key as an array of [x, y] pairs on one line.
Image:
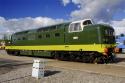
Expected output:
{"points": [[38, 68]]}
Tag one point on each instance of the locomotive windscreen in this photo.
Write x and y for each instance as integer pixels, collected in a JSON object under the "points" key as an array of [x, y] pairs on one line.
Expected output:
{"points": [[109, 36]]}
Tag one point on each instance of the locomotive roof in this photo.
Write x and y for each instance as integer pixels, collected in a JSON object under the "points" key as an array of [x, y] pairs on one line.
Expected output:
{"points": [[50, 26], [41, 28], [46, 28]]}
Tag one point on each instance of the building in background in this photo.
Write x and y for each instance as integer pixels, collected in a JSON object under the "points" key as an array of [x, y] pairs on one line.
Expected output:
{"points": [[4, 40]]}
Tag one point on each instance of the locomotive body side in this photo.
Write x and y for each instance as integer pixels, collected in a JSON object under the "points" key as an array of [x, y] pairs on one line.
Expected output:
{"points": [[80, 38]]}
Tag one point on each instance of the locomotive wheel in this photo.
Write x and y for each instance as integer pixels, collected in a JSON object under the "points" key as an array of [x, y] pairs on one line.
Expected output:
{"points": [[72, 57], [8, 52], [99, 60], [59, 56], [16, 53], [112, 57], [83, 59], [95, 60]]}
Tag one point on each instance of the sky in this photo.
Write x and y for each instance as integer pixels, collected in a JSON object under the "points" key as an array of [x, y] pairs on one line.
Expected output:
{"points": [[18, 15]]}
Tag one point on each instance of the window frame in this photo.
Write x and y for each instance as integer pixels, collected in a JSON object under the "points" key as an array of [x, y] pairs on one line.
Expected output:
{"points": [[57, 35], [87, 23], [40, 36], [48, 35], [81, 25], [71, 31]]}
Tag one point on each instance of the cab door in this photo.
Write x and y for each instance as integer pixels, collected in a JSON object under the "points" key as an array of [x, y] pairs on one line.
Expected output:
{"points": [[72, 33], [75, 33]]}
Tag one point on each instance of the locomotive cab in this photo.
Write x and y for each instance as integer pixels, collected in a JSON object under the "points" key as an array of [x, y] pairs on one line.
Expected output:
{"points": [[92, 37], [78, 26], [108, 40]]}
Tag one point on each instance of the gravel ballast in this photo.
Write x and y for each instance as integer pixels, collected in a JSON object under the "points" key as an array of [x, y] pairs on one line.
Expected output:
{"points": [[19, 69], [58, 75]]}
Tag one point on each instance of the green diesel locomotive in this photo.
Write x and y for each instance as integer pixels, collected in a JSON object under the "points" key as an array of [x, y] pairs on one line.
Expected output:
{"points": [[78, 41]]}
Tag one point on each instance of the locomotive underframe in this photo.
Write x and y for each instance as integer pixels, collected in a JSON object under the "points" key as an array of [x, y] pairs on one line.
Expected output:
{"points": [[79, 56]]}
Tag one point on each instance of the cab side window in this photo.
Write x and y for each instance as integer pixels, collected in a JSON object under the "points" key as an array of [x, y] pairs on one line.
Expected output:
{"points": [[87, 22], [75, 27]]}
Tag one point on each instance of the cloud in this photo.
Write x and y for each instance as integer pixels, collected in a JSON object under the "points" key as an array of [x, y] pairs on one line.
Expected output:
{"points": [[119, 23], [2, 20], [2, 23], [26, 23], [14, 25], [101, 11], [119, 26], [97, 9], [119, 30], [65, 2]]}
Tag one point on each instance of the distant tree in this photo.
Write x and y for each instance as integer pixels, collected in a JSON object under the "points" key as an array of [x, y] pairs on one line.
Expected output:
{"points": [[5, 37]]}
